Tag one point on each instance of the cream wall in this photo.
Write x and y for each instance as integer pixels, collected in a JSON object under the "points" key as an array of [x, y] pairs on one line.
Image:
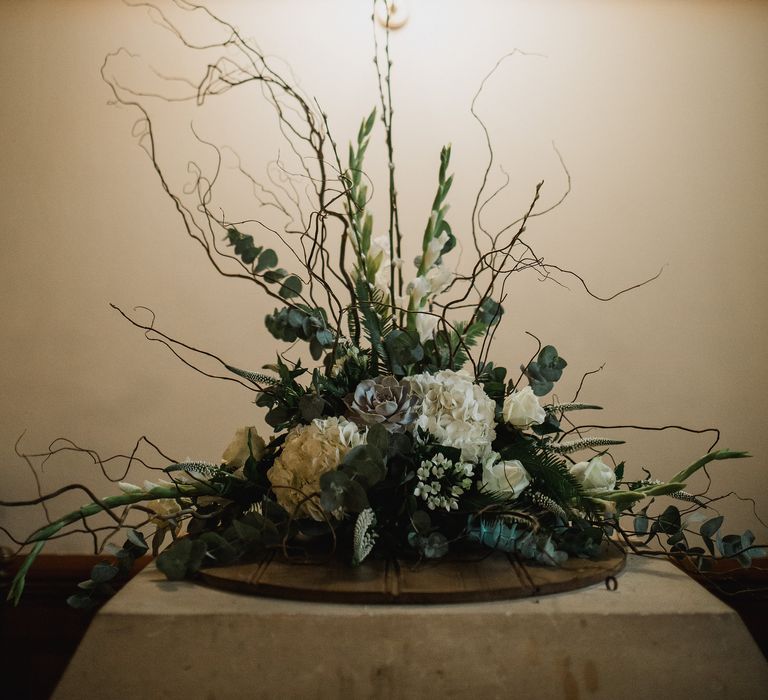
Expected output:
{"points": [[660, 110]]}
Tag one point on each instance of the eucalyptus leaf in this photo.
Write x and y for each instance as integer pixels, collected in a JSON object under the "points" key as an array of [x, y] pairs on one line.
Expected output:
{"points": [[103, 572], [291, 287], [710, 527], [268, 258]]}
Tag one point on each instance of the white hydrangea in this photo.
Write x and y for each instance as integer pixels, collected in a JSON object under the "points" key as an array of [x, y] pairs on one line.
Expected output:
{"points": [[309, 452], [456, 412]]}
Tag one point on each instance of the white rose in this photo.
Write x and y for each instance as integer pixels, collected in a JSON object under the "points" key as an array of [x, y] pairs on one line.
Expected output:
{"points": [[237, 451], [522, 409], [505, 476], [594, 475]]}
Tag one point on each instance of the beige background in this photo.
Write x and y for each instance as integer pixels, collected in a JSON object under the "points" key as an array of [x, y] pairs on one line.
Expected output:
{"points": [[659, 108]]}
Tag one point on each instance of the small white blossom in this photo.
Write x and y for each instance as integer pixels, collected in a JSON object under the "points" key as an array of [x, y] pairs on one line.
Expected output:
{"points": [[441, 482]]}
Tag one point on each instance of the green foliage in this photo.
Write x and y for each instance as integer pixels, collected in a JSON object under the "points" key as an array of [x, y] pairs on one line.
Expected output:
{"points": [[549, 473], [99, 586], [256, 257], [402, 350], [449, 347], [545, 371], [489, 312], [688, 472], [514, 539], [182, 559], [303, 323], [493, 380], [376, 320], [283, 399], [361, 469], [291, 287], [431, 546]]}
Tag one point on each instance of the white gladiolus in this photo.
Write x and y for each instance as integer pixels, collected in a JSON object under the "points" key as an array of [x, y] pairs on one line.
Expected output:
{"points": [[434, 249], [439, 277], [425, 325]]}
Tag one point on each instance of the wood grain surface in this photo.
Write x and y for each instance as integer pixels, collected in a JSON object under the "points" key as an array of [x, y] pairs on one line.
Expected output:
{"points": [[455, 580]]}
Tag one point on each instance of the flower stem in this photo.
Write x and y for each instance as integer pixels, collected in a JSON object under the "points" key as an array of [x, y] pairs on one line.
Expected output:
{"points": [[41, 536]]}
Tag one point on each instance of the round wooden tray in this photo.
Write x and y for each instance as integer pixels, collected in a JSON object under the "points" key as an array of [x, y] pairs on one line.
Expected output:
{"points": [[455, 580]]}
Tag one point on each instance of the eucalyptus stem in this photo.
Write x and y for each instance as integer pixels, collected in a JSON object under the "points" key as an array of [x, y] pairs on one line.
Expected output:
{"points": [[41, 536]]}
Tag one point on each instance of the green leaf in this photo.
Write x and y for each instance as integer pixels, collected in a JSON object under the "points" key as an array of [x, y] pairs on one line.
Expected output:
{"points": [[274, 276], [268, 258], [355, 497], [641, 523], [324, 337], [710, 527], [137, 540], [81, 601], [421, 522], [669, 521], [315, 348], [291, 287], [311, 406], [378, 437], [181, 559], [221, 551], [489, 312], [103, 572], [686, 473], [333, 486]]}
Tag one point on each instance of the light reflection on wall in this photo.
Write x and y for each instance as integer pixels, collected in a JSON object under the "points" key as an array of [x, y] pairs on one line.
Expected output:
{"points": [[658, 108]]}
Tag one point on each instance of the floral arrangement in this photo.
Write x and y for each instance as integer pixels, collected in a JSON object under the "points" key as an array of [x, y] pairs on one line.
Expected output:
{"points": [[404, 439]]}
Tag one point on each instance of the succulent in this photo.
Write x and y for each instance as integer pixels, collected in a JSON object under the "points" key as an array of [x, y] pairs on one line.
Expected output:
{"points": [[384, 401]]}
